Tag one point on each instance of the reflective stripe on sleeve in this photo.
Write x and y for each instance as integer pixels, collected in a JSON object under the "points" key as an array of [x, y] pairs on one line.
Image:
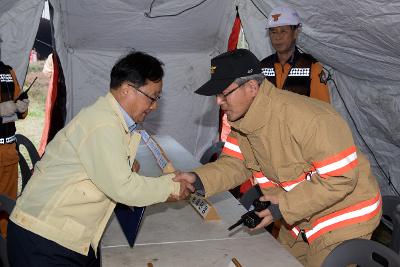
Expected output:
{"points": [[263, 181], [338, 164], [231, 148]]}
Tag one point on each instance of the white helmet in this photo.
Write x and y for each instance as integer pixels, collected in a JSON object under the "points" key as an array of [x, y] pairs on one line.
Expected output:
{"points": [[281, 16]]}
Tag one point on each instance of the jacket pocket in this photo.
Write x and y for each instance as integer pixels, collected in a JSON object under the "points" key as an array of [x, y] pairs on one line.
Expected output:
{"points": [[86, 203], [252, 166], [73, 228]]}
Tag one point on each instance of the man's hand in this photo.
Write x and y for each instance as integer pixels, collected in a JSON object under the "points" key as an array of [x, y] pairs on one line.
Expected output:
{"points": [[135, 166], [183, 192], [7, 108], [266, 214], [188, 177], [22, 105]]}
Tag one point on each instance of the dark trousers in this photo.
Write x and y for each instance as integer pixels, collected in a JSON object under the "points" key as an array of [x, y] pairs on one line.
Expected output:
{"points": [[26, 249]]}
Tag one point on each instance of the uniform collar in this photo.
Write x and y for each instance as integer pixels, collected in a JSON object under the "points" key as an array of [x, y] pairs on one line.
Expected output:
{"points": [[292, 60], [259, 112]]}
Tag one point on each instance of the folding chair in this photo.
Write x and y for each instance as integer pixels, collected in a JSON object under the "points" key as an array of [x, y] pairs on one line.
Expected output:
{"points": [[362, 252], [26, 171], [388, 231]]}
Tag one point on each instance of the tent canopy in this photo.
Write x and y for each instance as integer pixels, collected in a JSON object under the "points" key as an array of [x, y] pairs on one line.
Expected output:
{"points": [[357, 41]]}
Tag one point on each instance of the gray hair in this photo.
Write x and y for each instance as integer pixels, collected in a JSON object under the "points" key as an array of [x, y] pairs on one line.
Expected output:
{"points": [[258, 77]]}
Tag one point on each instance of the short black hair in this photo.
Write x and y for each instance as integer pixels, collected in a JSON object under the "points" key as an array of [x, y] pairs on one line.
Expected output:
{"points": [[136, 67]]}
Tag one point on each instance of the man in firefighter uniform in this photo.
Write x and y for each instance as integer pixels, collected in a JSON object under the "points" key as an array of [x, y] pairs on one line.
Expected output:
{"points": [[10, 111], [288, 68], [301, 152]]}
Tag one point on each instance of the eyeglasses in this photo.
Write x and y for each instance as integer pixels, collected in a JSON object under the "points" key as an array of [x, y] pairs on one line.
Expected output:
{"points": [[153, 99], [224, 96]]}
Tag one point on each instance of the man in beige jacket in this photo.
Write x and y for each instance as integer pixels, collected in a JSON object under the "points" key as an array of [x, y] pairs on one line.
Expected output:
{"points": [[88, 168], [301, 153]]}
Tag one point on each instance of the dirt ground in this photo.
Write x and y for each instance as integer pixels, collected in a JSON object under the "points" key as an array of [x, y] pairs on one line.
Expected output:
{"points": [[32, 125]]}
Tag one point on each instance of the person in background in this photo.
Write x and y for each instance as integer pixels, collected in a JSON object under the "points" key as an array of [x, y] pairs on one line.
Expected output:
{"points": [[87, 168], [302, 154], [11, 110], [288, 68]]}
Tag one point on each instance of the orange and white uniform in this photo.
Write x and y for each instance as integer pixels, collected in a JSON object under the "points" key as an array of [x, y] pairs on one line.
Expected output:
{"points": [[302, 74]]}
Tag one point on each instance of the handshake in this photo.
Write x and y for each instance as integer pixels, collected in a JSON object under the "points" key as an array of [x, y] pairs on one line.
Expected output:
{"points": [[186, 181]]}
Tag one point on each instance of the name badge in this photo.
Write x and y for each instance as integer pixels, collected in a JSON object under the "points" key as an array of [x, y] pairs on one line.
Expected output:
{"points": [[206, 210]]}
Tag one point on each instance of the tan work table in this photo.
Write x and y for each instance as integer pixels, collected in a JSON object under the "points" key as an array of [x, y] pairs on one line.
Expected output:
{"points": [[173, 234]]}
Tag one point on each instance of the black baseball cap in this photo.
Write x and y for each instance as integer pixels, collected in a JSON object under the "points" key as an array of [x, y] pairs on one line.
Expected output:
{"points": [[228, 66]]}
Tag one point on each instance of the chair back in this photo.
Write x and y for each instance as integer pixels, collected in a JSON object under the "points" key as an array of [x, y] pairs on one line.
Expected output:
{"points": [[388, 232], [362, 252], [26, 171]]}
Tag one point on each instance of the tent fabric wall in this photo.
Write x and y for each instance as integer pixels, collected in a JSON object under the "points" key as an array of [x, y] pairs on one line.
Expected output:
{"points": [[91, 36], [359, 42], [19, 21]]}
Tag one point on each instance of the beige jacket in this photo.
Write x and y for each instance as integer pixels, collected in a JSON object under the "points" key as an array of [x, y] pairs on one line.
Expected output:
{"points": [[302, 150], [87, 169]]}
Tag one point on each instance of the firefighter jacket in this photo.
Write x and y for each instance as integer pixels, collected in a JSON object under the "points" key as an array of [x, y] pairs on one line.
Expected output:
{"points": [[302, 74], [85, 171], [301, 150]]}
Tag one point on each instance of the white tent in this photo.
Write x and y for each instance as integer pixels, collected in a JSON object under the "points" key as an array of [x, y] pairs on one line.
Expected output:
{"points": [[358, 41]]}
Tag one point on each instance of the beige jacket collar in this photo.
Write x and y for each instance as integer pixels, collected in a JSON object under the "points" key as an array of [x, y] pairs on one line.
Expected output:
{"points": [[115, 107]]}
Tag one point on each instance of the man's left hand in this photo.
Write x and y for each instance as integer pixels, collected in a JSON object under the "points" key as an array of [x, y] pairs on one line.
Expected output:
{"points": [[183, 193], [266, 214], [22, 105]]}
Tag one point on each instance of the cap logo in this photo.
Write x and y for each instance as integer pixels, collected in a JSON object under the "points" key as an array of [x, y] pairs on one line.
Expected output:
{"points": [[212, 69], [275, 17], [250, 71]]}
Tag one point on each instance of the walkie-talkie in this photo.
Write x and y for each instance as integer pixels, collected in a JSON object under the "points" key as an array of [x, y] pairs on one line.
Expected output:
{"points": [[24, 94], [250, 218]]}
